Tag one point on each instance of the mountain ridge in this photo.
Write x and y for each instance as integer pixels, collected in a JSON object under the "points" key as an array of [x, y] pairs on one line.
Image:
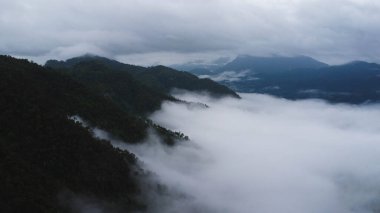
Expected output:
{"points": [[156, 77]]}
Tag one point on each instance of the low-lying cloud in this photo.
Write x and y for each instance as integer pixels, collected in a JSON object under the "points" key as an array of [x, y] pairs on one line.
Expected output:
{"points": [[231, 76], [265, 155]]}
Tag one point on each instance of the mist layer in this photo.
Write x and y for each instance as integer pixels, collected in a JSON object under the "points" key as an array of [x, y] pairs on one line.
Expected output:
{"points": [[263, 154]]}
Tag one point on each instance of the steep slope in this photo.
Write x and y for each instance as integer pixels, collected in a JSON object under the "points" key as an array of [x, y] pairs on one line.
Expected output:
{"points": [[46, 160]]}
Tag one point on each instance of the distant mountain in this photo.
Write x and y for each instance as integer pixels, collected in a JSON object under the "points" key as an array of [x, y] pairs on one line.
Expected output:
{"points": [[356, 82], [270, 64], [246, 66], [300, 78]]}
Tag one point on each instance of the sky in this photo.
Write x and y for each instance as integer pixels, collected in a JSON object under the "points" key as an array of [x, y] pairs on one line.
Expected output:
{"points": [[149, 32], [264, 154]]}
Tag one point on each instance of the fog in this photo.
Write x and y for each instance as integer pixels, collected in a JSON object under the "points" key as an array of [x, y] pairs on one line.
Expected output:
{"points": [[265, 155], [231, 76]]}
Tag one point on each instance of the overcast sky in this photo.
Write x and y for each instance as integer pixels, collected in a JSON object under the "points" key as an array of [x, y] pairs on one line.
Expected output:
{"points": [[174, 31]]}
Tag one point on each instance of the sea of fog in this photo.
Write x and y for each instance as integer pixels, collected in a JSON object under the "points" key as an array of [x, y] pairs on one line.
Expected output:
{"points": [[267, 155]]}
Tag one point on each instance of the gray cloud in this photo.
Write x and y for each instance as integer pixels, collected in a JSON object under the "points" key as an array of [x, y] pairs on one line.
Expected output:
{"points": [[178, 31], [263, 154]]}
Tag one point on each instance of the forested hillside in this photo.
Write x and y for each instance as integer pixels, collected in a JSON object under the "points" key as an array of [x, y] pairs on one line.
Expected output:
{"points": [[48, 161]]}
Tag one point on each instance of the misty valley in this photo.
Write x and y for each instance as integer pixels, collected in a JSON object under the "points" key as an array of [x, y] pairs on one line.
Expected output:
{"points": [[92, 134], [265, 154]]}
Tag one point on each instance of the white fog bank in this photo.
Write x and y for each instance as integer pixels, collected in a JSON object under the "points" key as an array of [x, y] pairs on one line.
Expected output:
{"points": [[267, 155]]}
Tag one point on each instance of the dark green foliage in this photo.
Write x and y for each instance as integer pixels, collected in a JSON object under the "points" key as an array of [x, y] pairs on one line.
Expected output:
{"points": [[43, 153]]}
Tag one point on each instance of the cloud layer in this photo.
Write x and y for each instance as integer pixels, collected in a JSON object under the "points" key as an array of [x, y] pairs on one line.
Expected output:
{"points": [[263, 154], [168, 32]]}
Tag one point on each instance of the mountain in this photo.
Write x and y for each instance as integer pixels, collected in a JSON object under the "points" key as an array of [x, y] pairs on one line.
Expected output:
{"points": [[356, 82], [270, 64], [252, 64], [51, 163], [301, 77]]}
